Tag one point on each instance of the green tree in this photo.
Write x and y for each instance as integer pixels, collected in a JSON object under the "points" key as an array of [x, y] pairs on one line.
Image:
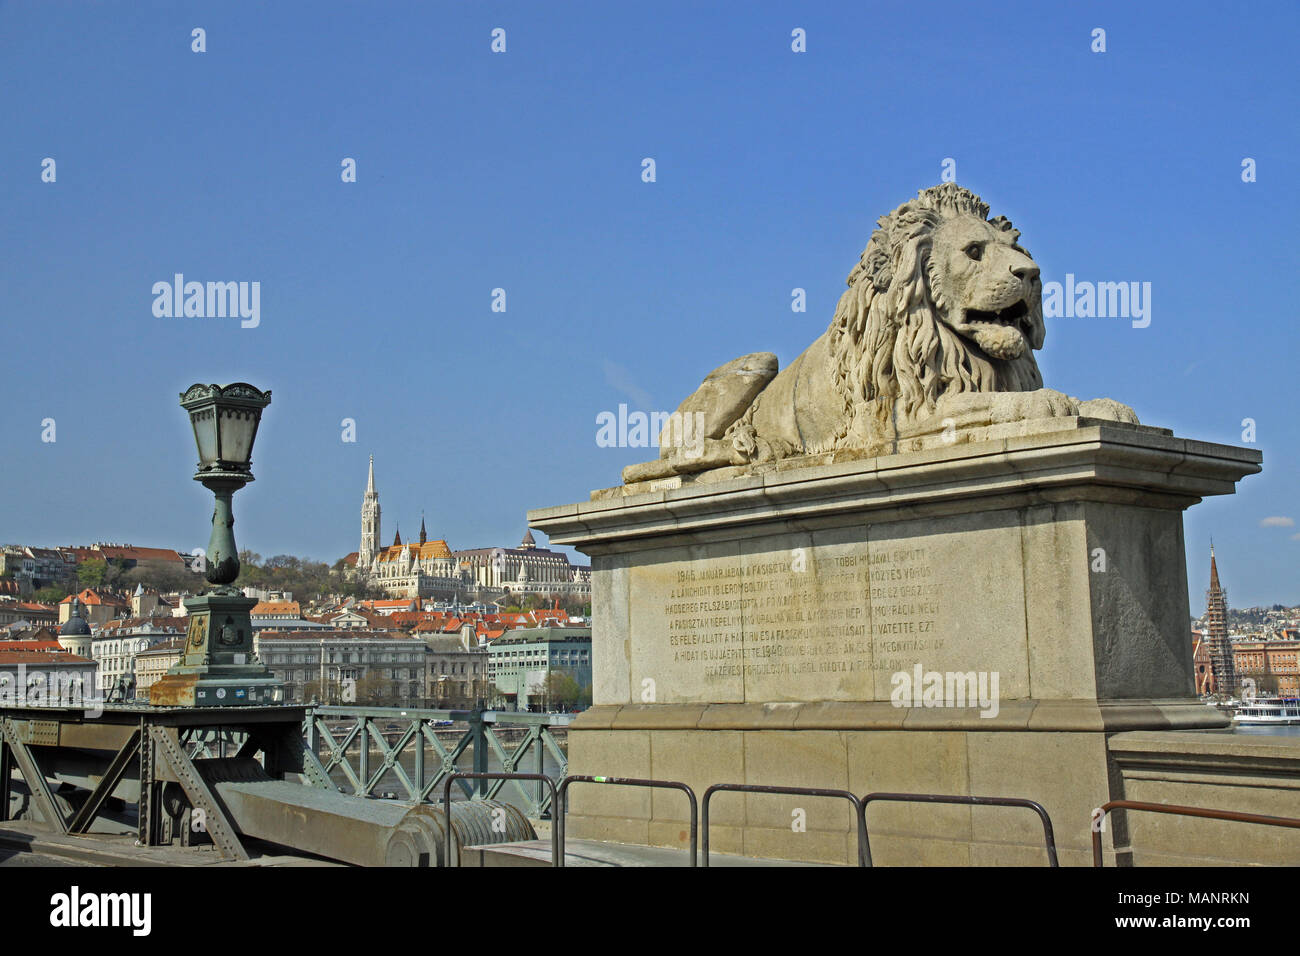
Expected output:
{"points": [[91, 573], [560, 690], [50, 595], [374, 688]]}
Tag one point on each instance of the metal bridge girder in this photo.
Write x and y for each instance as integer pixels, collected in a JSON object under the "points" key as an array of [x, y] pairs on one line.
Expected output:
{"points": [[32, 774], [216, 823], [82, 819]]}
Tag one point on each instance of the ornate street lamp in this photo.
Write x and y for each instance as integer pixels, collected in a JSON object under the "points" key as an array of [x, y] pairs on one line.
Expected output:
{"points": [[218, 667], [225, 424]]}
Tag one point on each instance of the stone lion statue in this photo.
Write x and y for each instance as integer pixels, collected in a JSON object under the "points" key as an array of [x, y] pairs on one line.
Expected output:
{"points": [[935, 334]]}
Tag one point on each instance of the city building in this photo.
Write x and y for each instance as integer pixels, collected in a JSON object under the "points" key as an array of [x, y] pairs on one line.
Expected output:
{"points": [[150, 603], [36, 568], [115, 646], [525, 569], [283, 616], [430, 569], [153, 662], [27, 612], [101, 605], [29, 632], [345, 665], [1269, 666], [46, 679], [521, 664], [1201, 665], [128, 556], [456, 669], [74, 635]]}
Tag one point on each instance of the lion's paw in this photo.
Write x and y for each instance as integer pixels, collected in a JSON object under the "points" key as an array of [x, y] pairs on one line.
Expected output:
{"points": [[1108, 409], [1024, 406]]}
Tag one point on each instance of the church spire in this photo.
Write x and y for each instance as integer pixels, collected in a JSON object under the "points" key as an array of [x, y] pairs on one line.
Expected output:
{"points": [[398, 538], [370, 521], [423, 536], [1219, 643]]}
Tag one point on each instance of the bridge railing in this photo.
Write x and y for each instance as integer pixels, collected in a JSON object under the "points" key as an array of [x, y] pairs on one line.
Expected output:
{"points": [[1099, 819], [422, 748]]}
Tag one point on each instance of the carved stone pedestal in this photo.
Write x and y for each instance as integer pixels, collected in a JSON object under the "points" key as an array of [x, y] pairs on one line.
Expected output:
{"points": [[218, 667], [763, 629]]}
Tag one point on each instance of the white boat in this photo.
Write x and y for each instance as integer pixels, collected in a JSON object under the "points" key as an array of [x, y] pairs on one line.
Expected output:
{"points": [[1268, 710]]}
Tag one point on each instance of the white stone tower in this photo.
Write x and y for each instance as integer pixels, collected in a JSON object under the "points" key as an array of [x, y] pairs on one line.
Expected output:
{"points": [[369, 523]]}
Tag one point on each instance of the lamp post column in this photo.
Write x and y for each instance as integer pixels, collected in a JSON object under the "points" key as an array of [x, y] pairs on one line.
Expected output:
{"points": [[218, 667]]}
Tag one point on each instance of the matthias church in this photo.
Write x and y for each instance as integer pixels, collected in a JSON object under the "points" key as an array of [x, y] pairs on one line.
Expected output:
{"points": [[430, 569]]}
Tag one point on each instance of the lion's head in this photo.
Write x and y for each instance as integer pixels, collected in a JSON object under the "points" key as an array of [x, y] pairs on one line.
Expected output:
{"points": [[943, 299]]}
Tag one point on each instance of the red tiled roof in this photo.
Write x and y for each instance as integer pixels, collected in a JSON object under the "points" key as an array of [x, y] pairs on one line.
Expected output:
{"points": [[430, 549], [278, 608], [138, 554], [341, 634], [91, 597], [32, 647], [41, 657]]}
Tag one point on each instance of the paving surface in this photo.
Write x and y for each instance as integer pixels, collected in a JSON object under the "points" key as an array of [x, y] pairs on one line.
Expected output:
{"points": [[22, 844], [596, 853]]}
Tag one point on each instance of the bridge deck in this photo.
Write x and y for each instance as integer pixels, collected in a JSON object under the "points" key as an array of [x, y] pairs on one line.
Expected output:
{"points": [[21, 840], [597, 853]]}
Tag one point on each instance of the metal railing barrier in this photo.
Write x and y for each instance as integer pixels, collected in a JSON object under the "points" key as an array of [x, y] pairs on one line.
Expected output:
{"points": [[409, 751], [1231, 815], [859, 810], [458, 775], [562, 812], [1048, 836]]}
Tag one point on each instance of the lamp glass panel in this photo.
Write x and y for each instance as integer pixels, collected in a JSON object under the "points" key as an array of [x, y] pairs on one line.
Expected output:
{"points": [[238, 428], [204, 421]]}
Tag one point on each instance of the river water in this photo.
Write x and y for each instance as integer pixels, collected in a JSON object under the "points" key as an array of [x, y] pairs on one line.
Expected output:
{"points": [[1268, 731]]}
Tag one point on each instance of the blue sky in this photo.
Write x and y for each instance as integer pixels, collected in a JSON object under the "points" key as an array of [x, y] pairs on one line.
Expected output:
{"points": [[522, 171]]}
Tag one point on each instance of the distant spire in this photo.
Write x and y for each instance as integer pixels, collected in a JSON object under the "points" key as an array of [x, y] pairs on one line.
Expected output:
{"points": [[423, 537], [370, 483], [1219, 643], [398, 538], [528, 542]]}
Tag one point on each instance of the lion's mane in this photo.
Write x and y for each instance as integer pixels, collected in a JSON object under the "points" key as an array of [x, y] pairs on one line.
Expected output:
{"points": [[887, 340]]}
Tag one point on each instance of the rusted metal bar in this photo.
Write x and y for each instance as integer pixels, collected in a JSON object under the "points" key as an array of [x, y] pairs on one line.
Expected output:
{"points": [[104, 789], [961, 799], [1231, 815], [557, 856], [561, 807], [859, 809]]}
